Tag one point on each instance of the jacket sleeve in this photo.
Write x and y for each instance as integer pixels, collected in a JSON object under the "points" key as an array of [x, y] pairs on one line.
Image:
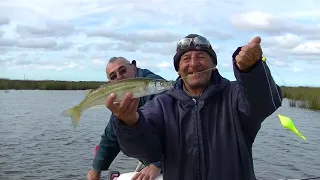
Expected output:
{"points": [[258, 96], [143, 140], [108, 148], [148, 74]]}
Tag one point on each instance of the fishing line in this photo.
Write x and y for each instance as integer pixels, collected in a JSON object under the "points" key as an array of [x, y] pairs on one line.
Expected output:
{"points": [[265, 70], [274, 104], [285, 85]]}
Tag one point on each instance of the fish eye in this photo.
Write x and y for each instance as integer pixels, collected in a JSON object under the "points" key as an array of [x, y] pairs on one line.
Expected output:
{"points": [[161, 83]]}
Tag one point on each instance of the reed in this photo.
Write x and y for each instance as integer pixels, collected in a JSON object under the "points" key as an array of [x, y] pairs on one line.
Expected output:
{"points": [[302, 97], [48, 85]]}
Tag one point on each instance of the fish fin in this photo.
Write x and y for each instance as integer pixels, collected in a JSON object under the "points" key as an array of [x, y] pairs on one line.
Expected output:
{"points": [[105, 84], [98, 106], [89, 91], [75, 115]]}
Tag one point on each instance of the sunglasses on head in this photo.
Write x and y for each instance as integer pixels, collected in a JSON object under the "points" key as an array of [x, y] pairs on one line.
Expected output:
{"points": [[198, 41], [121, 71]]}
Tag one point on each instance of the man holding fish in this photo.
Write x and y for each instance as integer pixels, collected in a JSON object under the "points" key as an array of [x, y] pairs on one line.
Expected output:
{"points": [[205, 126], [117, 69]]}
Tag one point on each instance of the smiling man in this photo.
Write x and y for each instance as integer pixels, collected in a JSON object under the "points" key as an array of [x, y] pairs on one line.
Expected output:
{"points": [[205, 126]]}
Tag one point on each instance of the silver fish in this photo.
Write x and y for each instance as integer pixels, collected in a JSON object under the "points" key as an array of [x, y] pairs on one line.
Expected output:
{"points": [[139, 87]]}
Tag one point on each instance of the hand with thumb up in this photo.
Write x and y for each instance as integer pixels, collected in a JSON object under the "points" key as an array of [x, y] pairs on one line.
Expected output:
{"points": [[249, 55]]}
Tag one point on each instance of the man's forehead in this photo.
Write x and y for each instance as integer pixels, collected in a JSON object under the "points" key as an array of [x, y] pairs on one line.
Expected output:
{"points": [[115, 65], [189, 53]]}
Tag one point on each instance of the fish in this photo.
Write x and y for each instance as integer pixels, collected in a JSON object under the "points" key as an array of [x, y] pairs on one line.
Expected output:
{"points": [[138, 86]]}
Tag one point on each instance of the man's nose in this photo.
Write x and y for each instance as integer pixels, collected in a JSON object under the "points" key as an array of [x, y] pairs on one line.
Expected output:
{"points": [[119, 76], [194, 61]]}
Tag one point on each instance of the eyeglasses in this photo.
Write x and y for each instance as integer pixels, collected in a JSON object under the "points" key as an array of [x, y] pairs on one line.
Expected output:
{"points": [[121, 71], [198, 41]]}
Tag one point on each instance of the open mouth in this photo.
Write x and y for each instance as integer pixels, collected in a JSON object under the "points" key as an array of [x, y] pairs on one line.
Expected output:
{"points": [[194, 73]]}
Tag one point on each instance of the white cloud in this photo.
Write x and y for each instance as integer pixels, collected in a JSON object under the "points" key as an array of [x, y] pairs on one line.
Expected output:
{"points": [[307, 48], [48, 29], [280, 63], [258, 21], [297, 69], [164, 64], [4, 21], [255, 20], [39, 65], [98, 61], [226, 65], [151, 36], [74, 35], [285, 41]]}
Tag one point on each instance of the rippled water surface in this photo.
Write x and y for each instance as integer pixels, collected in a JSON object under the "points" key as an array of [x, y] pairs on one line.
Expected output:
{"points": [[36, 142]]}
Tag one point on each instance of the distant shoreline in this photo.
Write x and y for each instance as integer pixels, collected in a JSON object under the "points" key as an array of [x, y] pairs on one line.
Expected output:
{"points": [[18, 84], [6, 84], [303, 97]]}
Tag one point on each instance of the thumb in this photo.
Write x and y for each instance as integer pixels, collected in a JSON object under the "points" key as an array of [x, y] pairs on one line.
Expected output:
{"points": [[256, 40], [109, 102]]}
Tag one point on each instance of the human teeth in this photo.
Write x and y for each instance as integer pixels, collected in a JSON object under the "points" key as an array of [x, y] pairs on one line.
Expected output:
{"points": [[194, 73]]}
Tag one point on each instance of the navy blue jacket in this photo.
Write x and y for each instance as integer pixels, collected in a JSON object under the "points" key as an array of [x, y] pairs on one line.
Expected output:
{"points": [[209, 138], [108, 146]]}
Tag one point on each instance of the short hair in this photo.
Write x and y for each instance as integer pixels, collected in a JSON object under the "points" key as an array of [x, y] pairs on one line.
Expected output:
{"points": [[113, 59]]}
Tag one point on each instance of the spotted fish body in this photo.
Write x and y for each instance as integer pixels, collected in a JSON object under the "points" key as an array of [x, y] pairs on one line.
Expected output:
{"points": [[139, 87]]}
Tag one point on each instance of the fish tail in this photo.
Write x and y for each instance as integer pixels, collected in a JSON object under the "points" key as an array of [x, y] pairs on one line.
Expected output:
{"points": [[75, 115]]}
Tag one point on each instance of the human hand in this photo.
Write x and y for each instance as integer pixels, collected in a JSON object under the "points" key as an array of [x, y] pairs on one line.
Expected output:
{"points": [[148, 173], [126, 110], [93, 175], [249, 54]]}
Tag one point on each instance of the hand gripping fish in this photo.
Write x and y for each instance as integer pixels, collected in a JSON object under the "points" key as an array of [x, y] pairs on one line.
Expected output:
{"points": [[139, 87]]}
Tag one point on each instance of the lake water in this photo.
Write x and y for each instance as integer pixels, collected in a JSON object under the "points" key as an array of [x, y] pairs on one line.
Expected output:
{"points": [[36, 142]]}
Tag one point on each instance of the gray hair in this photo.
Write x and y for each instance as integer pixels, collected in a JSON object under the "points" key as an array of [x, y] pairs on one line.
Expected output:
{"points": [[113, 59]]}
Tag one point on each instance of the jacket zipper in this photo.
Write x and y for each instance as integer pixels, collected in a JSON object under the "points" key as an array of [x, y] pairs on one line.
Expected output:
{"points": [[198, 175]]}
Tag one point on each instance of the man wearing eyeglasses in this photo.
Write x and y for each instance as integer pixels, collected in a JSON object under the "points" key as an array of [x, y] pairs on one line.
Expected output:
{"points": [[120, 68], [204, 128]]}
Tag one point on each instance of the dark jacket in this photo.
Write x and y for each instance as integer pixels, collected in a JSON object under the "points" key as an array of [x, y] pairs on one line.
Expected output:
{"points": [[108, 146], [209, 138]]}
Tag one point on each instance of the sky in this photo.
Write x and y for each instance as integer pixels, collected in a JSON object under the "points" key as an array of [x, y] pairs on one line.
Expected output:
{"points": [[74, 39]]}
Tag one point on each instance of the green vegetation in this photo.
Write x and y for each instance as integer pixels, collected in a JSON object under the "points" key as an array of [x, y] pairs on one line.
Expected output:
{"points": [[303, 97], [48, 85]]}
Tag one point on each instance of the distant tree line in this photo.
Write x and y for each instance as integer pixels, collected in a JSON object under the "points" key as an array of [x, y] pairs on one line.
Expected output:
{"points": [[48, 85], [303, 97]]}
